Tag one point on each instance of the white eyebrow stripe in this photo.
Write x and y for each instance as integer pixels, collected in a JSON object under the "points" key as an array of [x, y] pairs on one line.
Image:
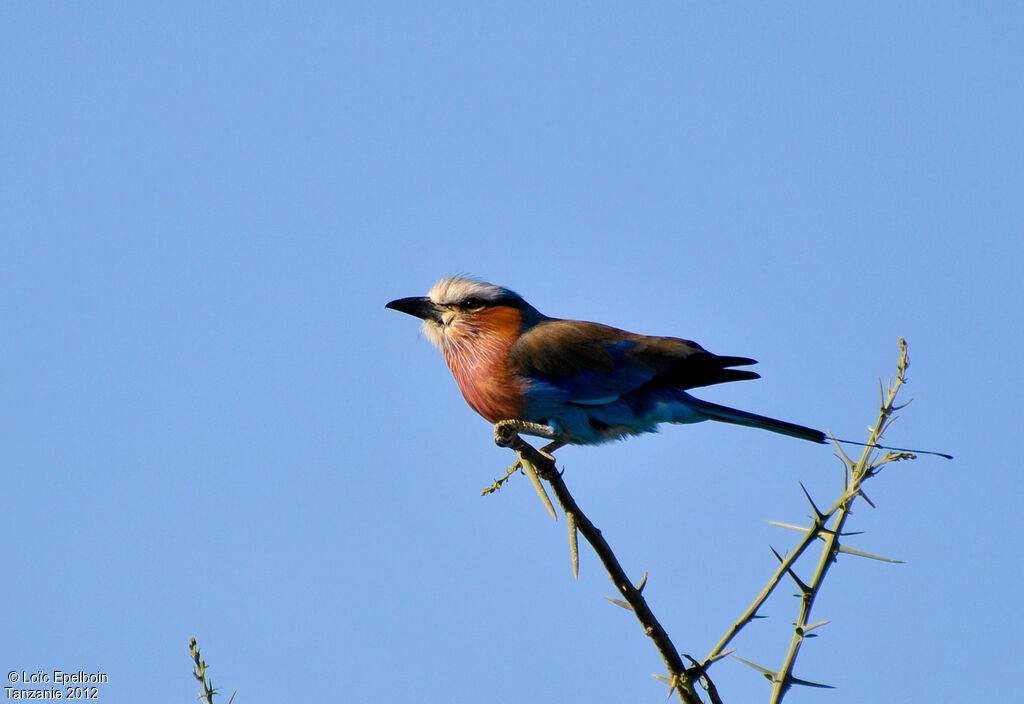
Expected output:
{"points": [[452, 291]]}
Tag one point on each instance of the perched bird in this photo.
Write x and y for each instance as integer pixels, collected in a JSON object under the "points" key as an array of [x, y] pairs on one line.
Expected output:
{"points": [[570, 381]]}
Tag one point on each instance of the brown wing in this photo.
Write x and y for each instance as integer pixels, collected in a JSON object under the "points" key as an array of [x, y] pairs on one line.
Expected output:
{"points": [[597, 361]]}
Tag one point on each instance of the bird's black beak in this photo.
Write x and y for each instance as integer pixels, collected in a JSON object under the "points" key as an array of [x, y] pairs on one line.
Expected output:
{"points": [[418, 306]]}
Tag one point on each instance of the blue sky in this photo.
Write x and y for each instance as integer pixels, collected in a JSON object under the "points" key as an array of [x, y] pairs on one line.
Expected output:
{"points": [[211, 426]]}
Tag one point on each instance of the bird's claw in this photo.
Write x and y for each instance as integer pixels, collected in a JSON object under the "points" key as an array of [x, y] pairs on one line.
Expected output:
{"points": [[505, 433]]}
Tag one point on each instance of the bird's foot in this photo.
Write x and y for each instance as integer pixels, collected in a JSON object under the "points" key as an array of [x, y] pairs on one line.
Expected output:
{"points": [[506, 434], [536, 465], [506, 430]]}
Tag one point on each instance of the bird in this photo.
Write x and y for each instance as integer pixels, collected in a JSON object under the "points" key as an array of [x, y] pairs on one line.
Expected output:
{"points": [[574, 382]]}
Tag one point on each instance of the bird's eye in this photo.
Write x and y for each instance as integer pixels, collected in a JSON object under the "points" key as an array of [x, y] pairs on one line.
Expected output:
{"points": [[473, 303]]}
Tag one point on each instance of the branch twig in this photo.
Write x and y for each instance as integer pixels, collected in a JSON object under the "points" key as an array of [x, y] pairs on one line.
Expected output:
{"points": [[682, 680], [865, 468], [207, 690], [826, 525]]}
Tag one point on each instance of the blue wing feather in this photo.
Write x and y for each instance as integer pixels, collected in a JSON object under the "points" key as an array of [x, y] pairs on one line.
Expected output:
{"points": [[596, 383]]}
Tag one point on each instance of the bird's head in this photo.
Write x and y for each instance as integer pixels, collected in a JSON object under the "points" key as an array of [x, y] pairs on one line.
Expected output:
{"points": [[459, 311]]}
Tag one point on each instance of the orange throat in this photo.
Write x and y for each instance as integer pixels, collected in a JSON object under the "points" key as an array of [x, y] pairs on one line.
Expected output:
{"points": [[478, 359]]}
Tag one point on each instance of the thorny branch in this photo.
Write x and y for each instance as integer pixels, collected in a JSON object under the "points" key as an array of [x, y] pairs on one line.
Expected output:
{"points": [[682, 679], [855, 473], [826, 526], [206, 691]]}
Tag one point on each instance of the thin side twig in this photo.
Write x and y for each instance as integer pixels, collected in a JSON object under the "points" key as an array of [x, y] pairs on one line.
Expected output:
{"points": [[827, 526], [207, 690], [865, 467]]}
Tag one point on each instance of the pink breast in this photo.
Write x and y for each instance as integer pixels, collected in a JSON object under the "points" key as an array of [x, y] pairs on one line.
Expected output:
{"points": [[477, 354], [492, 393]]}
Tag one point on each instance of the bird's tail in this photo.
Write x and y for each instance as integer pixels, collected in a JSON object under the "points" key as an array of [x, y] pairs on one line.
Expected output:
{"points": [[712, 411]]}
